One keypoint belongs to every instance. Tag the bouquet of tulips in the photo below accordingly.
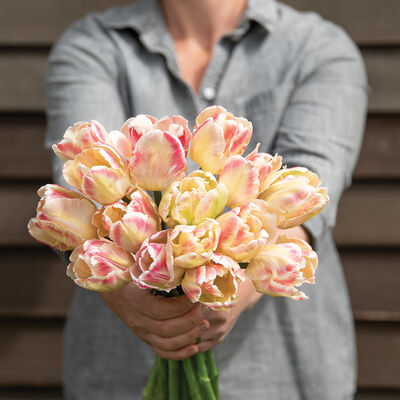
(199, 236)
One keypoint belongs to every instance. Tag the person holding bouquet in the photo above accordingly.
(302, 84)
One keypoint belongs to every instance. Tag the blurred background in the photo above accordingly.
(35, 293)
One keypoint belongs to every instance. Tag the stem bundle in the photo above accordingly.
(195, 378)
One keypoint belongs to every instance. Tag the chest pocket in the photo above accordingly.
(265, 110)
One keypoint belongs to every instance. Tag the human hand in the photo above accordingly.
(169, 325)
(222, 322)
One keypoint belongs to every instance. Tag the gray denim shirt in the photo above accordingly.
(301, 82)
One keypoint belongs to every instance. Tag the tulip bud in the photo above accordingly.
(79, 137)
(295, 196)
(194, 245)
(193, 199)
(218, 135)
(278, 269)
(154, 267)
(100, 265)
(100, 173)
(63, 218)
(128, 225)
(215, 284)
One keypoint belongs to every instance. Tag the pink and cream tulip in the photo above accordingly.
(247, 177)
(194, 245)
(158, 159)
(295, 196)
(267, 165)
(154, 267)
(242, 231)
(79, 137)
(134, 128)
(217, 135)
(177, 126)
(193, 199)
(100, 173)
(309, 255)
(128, 225)
(100, 265)
(278, 269)
(63, 219)
(215, 284)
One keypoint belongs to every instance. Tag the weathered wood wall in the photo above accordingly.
(32, 309)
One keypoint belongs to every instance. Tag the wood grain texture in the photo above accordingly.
(23, 154)
(379, 156)
(22, 151)
(18, 204)
(37, 285)
(22, 80)
(369, 22)
(31, 394)
(383, 66)
(377, 395)
(368, 214)
(22, 87)
(30, 354)
(378, 355)
(373, 279)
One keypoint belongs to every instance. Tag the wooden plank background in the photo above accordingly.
(33, 309)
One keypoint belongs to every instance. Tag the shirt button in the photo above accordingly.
(209, 93)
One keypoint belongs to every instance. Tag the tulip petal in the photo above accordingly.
(241, 178)
(158, 159)
(208, 146)
(105, 185)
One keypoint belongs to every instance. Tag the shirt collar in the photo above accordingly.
(144, 15)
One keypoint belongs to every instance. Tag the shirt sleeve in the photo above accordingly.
(82, 83)
(323, 124)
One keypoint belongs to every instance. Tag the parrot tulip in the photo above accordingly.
(100, 265)
(215, 284)
(100, 173)
(79, 137)
(154, 267)
(128, 225)
(279, 268)
(194, 245)
(218, 135)
(193, 199)
(295, 196)
(242, 232)
(63, 218)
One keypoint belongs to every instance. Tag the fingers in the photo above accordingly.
(180, 354)
(172, 344)
(175, 326)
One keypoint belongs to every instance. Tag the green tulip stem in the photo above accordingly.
(213, 371)
(148, 391)
(194, 387)
(204, 379)
(173, 379)
(184, 384)
(161, 390)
